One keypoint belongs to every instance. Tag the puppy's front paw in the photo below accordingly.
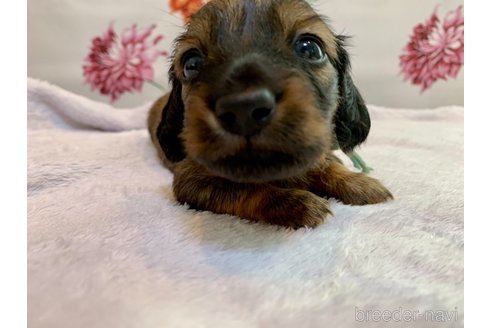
(295, 209)
(361, 189)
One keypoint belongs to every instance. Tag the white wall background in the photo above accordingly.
(60, 31)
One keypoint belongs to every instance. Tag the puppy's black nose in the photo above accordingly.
(246, 113)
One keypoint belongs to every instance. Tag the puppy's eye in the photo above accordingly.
(309, 48)
(192, 63)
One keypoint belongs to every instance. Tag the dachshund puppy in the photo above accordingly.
(261, 94)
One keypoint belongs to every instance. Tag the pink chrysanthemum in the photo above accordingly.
(118, 65)
(435, 51)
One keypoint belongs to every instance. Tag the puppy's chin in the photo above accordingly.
(260, 166)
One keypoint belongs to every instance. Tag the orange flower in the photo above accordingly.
(186, 7)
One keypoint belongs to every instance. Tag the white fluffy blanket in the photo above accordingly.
(108, 245)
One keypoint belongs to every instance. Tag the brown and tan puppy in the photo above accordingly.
(261, 93)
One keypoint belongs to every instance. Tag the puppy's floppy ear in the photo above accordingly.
(352, 121)
(171, 124)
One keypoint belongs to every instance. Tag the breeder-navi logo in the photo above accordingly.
(402, 315)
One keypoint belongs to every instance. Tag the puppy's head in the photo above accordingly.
(256, 84)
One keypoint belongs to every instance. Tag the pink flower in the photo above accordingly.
(435, 51)
(117, 65)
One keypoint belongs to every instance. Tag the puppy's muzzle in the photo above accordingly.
(246, 113)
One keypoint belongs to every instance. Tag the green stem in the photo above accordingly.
(156, 85)
(359, 162)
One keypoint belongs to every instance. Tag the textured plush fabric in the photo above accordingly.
(108, 245)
